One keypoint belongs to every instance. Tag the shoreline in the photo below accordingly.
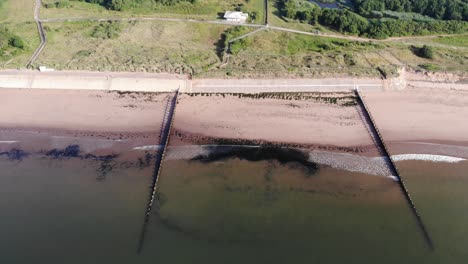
(321, 119)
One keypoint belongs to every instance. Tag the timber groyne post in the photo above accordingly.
(392, 166)
(166, 128)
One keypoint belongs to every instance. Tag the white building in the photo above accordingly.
(234, 16)
(45, 69)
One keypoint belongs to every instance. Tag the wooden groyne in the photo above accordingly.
(380, 143)
(166, 127)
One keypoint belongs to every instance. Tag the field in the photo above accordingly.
(196, 49)
(453, 41)
(17, 58)
(205, 10)
(16, 11)
(185, 48)
(279, 54)
(192, 48)
(17, 18)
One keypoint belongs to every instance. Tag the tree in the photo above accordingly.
(290, 9)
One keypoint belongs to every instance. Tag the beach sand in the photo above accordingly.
(314, 120)
(36, 119)
(429, 121)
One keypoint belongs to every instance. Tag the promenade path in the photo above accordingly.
(149, 82)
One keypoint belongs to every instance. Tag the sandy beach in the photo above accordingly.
(421, 120)
(308, 121)
(35, 119)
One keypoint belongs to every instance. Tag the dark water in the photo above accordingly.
(57, 209)
(247, 205)
(333, 4)
(440, 191)
(235, 210)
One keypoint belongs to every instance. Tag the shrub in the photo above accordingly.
(426, 52)
(429, 67)
(16, 42)
(107, 30)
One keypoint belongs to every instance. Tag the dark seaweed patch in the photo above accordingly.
(72, 151)
(146, 161)
(337, 98)
(15, 154)
(282, 155)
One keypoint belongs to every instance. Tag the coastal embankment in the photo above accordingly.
(147, 82)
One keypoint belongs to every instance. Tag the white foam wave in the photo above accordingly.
(344, 161)
(8, 142)
(148, 147)
(426, 157)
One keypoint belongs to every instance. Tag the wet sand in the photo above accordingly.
(326, 121)
(97, 120)
(421, 118)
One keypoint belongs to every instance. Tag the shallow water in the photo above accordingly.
(439, 191)
(248, 206)
(70, 210)
(239, 211)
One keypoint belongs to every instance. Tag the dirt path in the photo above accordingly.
(42, 35)
(218, 22)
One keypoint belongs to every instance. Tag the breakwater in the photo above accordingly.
(378, 140)
(165, 130)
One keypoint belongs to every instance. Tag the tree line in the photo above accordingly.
(347, 21)
(119, 5)
(438, 9)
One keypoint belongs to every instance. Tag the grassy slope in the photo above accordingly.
(190, 48)
(142, 46)
(16, 11)
(18, 17)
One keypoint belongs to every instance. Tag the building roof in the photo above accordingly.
(235, 15)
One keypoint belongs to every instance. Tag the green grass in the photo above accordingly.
(176, 47)
(281, 54)
(16, 11)
(17, 16)
(193, 48)
(456, 41)
(446, 58)
(15, 57)
(205, 10)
